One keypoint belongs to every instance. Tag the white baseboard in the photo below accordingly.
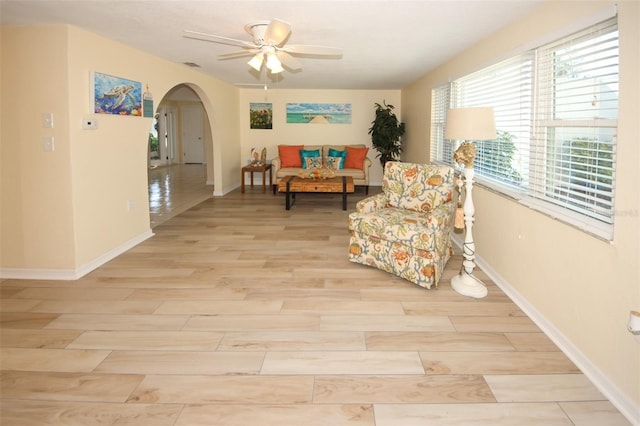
(73, 274)
(225, 191)
(38, 274)
(619, 399)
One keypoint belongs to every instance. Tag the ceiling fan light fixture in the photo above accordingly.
(256, 61)
(268, 45)
(276, 69)
(273, 63)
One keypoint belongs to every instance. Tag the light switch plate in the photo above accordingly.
(47, 120)
(47, 144)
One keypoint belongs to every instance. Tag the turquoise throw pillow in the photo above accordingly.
(340, 154)
(308, 153)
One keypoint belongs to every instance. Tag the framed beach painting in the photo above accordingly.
(116, 95)
(311, 113)
(261, 115)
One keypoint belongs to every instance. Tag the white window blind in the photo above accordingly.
(556, 110)
(441, 148)
(573, 149)
(508, 88)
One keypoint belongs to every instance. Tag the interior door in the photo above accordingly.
(193, 135)
(168, 126)
(162, 152)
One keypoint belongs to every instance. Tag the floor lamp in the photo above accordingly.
(469, 124)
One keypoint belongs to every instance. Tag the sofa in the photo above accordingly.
(406, 229)
(345, 160)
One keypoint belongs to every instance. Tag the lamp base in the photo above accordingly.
(468, 285)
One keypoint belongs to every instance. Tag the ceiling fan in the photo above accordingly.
(269, 42)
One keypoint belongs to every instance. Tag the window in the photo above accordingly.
(556, 110)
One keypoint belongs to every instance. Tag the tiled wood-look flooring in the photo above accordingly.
(176, 188)
(238, 312)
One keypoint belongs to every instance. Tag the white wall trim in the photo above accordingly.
(38, 274)
(619, 399)
(225, 191)
(73, 274)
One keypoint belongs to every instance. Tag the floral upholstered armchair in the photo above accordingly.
(406, 230)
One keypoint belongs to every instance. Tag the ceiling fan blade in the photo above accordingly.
(306, 49)
(261, 85)
(218, 39)
(289, 61)
(277, 32)
(240, 54)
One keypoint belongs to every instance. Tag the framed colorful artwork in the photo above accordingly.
(303, 113)
(261, 115)
(116, 95)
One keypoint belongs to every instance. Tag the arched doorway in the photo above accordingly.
(179, 150)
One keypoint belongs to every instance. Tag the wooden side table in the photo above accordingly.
(263, 168)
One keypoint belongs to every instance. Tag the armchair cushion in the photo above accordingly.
(415, 187)
(412, 228)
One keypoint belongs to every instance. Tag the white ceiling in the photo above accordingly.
(386, 44)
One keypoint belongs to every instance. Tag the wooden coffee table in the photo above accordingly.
(291, 185)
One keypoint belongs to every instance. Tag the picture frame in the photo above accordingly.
(116, 95)
(316, 113)
(261, 115)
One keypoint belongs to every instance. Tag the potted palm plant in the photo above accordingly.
(386, 132)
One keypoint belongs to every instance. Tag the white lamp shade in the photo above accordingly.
(273, 63)
(276, 68)
(477, 123)
(256, 61)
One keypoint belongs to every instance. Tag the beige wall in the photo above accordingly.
(363, 113)
(36, 186)
(578, 286)
(65, 212)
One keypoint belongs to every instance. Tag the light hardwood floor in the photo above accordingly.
(238, 312)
